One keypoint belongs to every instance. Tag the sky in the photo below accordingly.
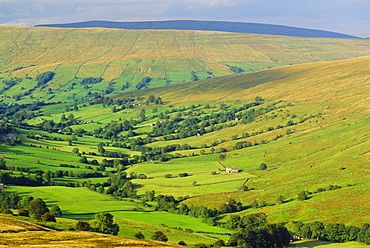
(343, 16)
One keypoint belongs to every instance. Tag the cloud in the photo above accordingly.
(336, 15)
(79, 8)
(211, 3)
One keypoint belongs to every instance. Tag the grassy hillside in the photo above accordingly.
(128, 60)
(308, 124)
(329, 149)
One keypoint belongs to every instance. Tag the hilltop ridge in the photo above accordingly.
(235, 27)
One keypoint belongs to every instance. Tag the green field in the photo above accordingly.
(87, 201)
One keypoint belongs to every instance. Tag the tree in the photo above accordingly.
(254, 204)
(160, 236)
(222, 156)
(317, 229)
(2, 164)
(56, 211)
(303, 195)
(279, 235)
(101, 149)
(23, 212)
(48, 217)
(364, 234)
(263, 166)
(182, 243)
(220, 242)
(139, 235)
(84, 160)
(82, 226)
(63, 118)
(280, 199)
(25, 201)
(37, 208)
(335, 232)
(258, 99)
(151, 98)
(104, 223)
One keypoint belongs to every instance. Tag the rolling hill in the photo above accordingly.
(236, 27)
(128, 60)
(287, 130)
(329, 149)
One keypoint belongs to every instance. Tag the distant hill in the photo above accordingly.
(128, 60)
(235, 27)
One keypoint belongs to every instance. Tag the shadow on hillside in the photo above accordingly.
(309, 244)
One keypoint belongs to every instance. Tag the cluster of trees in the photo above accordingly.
(267, 236)
(333, 232)
(179, 127)
(120, 185)
(29, 206)
(170, 204)
(103, 223)
(5, 128)
(15, 111)
(43, 78)
(29, 180)
(235, 69)
(254, 231)
(42, 178)
(10, 83)
(91, 80)
(112, 129)
(143, 83)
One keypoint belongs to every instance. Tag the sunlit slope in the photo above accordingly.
(339, 85)
(165, 56)
(331, 148)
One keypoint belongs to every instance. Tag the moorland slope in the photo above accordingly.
(127, 60)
